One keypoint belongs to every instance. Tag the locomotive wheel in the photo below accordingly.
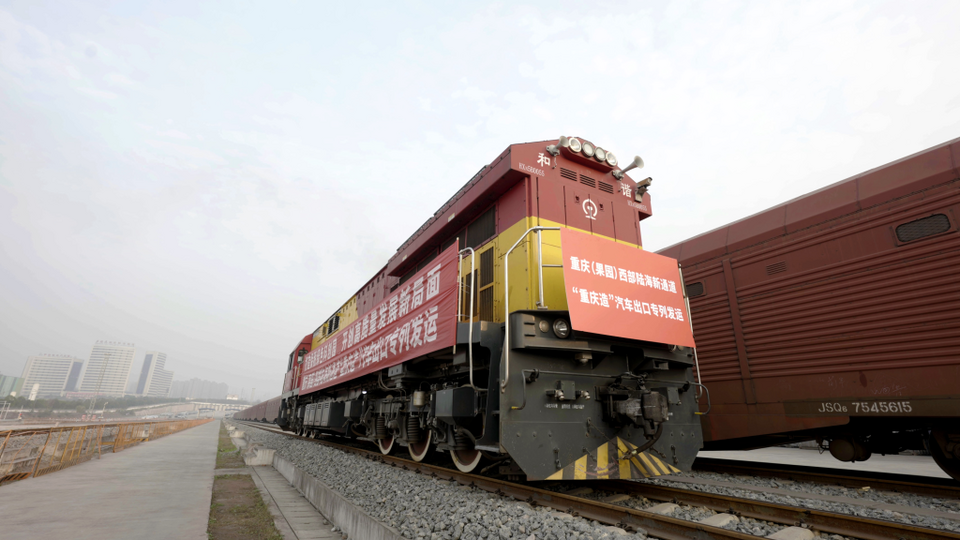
(386, 445)
(949, 466)
(466, 460)
(419, 450)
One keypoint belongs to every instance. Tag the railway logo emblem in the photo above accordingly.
(590, 209)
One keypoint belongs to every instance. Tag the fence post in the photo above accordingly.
(4, 446)
(119, 439)
(40, 456)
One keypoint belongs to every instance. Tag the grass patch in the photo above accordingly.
(228, 455)
(237, 511)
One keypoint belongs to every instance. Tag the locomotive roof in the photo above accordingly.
(924, 169)
(487, 184)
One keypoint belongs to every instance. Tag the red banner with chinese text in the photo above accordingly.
(418, 318)
(617, 290)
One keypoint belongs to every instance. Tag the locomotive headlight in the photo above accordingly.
(561, 328)
(575, 144)
(600, 155)
(589, 149)
(611, 159)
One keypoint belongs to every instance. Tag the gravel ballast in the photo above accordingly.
(420, 506)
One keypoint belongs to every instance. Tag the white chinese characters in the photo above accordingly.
(622, 274)
(370, 339)
(627, 304)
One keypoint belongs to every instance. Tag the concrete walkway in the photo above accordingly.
(158, 489)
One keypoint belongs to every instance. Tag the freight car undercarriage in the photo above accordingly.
(861, 438)
(578, 407)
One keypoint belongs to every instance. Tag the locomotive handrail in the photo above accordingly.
(473, 267)
(506, 294)
(696, 361)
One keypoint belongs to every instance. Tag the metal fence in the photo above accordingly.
(35, 452)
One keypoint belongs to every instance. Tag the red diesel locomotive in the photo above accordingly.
(522, 323)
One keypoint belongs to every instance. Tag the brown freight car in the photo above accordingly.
(836, 316)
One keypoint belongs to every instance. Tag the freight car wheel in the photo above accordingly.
(419, 450)
(949, 466)
(386, 445)
(465, 460)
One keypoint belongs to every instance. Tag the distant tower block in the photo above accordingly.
(154, 380)
(55, 373)
(107, 370)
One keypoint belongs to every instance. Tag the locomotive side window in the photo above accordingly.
(922, 228)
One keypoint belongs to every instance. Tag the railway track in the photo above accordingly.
(656, 525)
(899, 483)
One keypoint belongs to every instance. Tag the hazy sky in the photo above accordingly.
(214, 180)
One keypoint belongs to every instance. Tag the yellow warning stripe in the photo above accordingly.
(602, 460)
(580, 469)
(623, 464)
(613, 454)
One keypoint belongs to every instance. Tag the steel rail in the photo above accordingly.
(830, 522)
(931, 487)
(660, 526)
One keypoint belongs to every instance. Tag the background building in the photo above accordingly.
(73, 380)
(10, 384)
(108, 369)
(51, 371)
(199, 389)
(154, 380)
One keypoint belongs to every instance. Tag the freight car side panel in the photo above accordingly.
(837, 315)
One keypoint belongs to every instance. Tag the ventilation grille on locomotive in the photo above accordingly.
(486, 304)
(482, 228)
(922, 228)
(606, 187)
(587, 181)
(776, 268)
(486, 268)
(695, 289)
(568, 174)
